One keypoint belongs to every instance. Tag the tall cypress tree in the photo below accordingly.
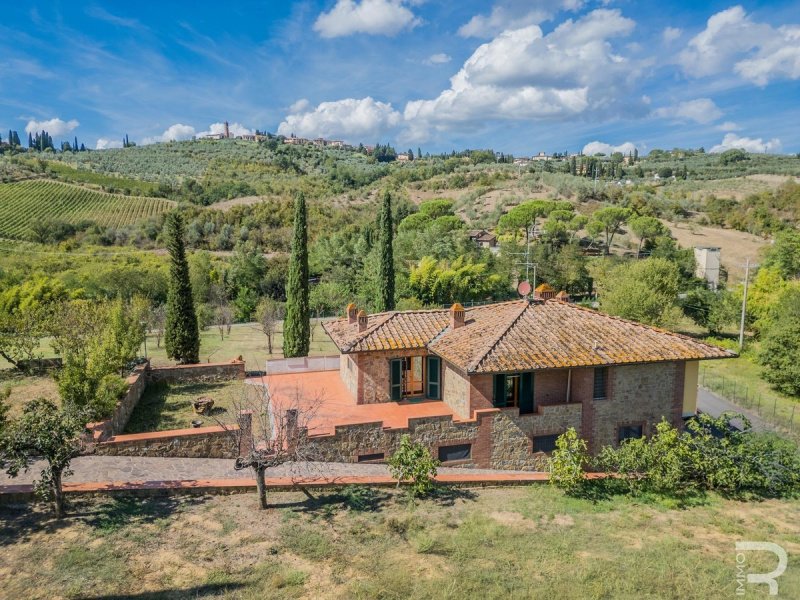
(296, 326)
(386, 274)
(181, 333)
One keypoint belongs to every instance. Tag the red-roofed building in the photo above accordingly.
(502, 381)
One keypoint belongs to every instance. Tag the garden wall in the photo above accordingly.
(143, 375)
(202, 442)
(204, 372)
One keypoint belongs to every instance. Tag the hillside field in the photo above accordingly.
(26, 202)
(364, 544)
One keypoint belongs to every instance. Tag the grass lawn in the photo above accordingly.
(25, 388)
(488, 543)
(246, 339)
(739, 379)
(168, 406)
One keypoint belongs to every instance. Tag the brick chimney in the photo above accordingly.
(352, 313)
(362, 321)
(563, 296)
(456, 316)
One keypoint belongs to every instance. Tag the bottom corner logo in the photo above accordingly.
(769, 578)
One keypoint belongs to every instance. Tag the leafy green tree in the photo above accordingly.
(386, 273)
(244, 304)
(780, 348)
(569, 462)
(181, 331)
(44, 431)
(784, 254)
(21, 332)
(413, 463)
(609, 220)
(647, 229)
(709, 309)
(524, 216)
(297, 325)
(644, 291)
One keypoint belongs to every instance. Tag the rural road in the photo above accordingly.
(711, 404)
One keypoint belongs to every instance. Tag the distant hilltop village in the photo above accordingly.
(259, 136)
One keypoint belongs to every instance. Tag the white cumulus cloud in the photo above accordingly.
(173, 133)
(701, 110)
(54, 127)
(373, 17)
(670, 34)
(105, 144)
(758, 52)
(514, 14)
(438, 59)
(593, 148)
(728, 126)
(352, 119)
(523, 74)
(755, 145)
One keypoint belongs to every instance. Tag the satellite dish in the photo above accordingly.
(524, 288)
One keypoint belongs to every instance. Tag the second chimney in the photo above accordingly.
(456, 316)
(362, 321)
(352, 313)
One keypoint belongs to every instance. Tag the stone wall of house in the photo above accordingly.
(203, 442)
(637, 395)
(348, 371)
(455, 390)
(203, 372)
(512, 434)
(374, 375)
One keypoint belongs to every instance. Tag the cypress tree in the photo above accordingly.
(181, 333)
(296, 326)
(386, 275)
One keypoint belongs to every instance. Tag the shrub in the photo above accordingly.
(413, 463)
(569, 461)
(110, 389)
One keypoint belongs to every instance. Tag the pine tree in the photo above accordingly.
(296, 326)
(181, 333)
(386, 274)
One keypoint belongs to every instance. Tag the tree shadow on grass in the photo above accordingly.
(600, 490)
(19, 521)
(209, 590)
(358, 498)
(118, 511)
(168, 406)
(446, 495)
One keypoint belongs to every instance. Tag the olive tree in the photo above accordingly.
(47, 432)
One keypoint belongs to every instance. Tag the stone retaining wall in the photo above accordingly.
(137, 382)
(204, 372)
(202, 442)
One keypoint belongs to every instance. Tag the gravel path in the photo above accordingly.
(136, 468)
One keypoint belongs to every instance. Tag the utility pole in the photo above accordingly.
(527, 261)
(744, 303)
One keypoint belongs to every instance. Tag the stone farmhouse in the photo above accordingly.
(492, 386)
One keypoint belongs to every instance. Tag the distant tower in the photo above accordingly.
(227, 131)
(707, 265)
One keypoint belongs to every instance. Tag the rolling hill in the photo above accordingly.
(24, 203)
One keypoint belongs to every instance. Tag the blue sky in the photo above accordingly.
(517, 76)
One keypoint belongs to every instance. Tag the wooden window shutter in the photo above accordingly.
(396, 379)
(499, 399)
(526, 393)
(434, 377)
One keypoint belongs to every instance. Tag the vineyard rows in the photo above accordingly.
(26, 202)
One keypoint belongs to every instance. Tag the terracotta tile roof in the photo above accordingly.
(522, 335)
(395, 330)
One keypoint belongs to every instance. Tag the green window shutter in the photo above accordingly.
(526, 393)
(499, 399)
(397, 379)
(434, 376)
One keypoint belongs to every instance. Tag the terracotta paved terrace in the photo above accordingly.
(324, 397)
